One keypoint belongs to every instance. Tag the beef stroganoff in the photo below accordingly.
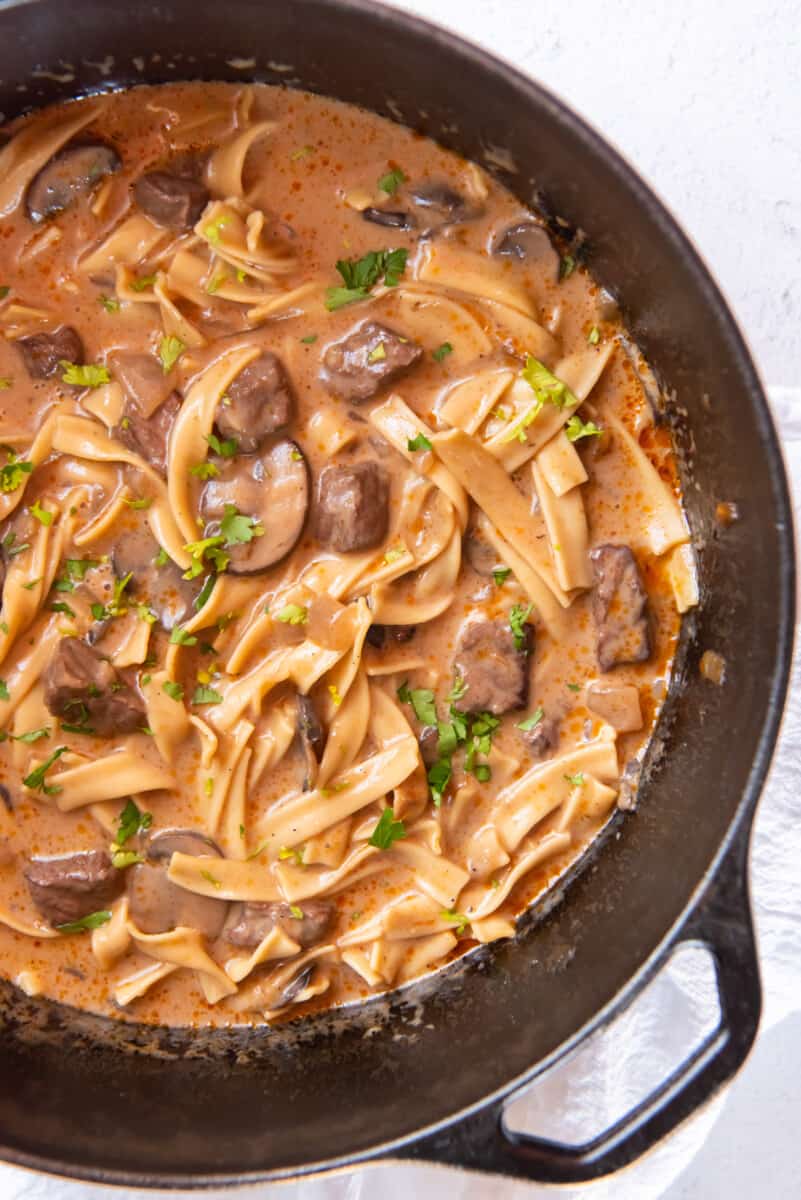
(343, 559)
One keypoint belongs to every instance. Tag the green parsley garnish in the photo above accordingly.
(573, 687)
(458, 690)
(212, 231)
(207, 875)
(532, 721)
(110, 303)
(439, 775)
(594, 336)
(140, 505)
(91, 921)
(309, 340)
(501, 575)
(422, 701)
(518, 616)
(206, 695)
(11, 475)
(419, 442)
(204, 593)
(179, 637)
(61, 606)
(4, 693)
(36, 780)
(41, 514)
(576, 428)
(293, 614)
(297, 913)
(5, 382)
(90, 375)
(174, 690)
(286, 853)
(575, 780)
(28, 587)
(567, 266)
(387, 831)
(226, 449)
(132, 821)
(33, 735)
(170, 350)
(378, 353)
(390, 182)
(360, 275)
(162, 558)
(442, 351)
(459, 919)
(142, 283)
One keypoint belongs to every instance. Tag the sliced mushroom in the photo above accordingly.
(481, 555)
(311, 736)
(441, 201)
(162, 588)
(172, 201)
(273, 489)
(252, 921)
(529, 243)
(619, 704)
(142, 378)
(70, 174)
(156, 904)
(149, 436)
(388, 218)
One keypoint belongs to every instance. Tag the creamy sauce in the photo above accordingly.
(311, 171)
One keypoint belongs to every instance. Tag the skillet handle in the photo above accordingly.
(722, 923)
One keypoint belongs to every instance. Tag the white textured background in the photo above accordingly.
(705, 99)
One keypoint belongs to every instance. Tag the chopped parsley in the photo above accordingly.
(309, 340)
(442, 352)
(179, 637)
(533, 721)
(5, 382)
(439, 775)
(110, 303)
(387, 831)
(458, 690)
(141, 504)
(170, 350)
(142, 283)
(545, 386)
(36, 780)
(125, 858)
(390, 182)
(575, 780)
(594, 336)
(576, 428)
(33, 735)
(361, 274)
(297, 913)
(293, 614)
(91, 921)
(42, 515)
(518, 616)
(12, 474)
(286, 853)
(88, 375)
(378, 353)
(206, 695)
(10, 546)
(174, 690)
(204, 593)
(501, 575)
(567, 266)
(162, 558)
(420, 442)
(207, 875)
(573, 687)
(211, 232)
(103, 612)
(459, 919)
(226, 449)
(132, 821)
(421, 700)
(4, 692)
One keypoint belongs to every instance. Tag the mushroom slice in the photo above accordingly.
(311, 737)
(163, 587)
(156, 904)
(70, 174)
(529, 243)
(271, 487)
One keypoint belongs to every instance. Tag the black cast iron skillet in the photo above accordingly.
(426, 1076)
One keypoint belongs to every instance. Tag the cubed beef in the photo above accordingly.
(369, 358)
(260, 401)
(353, 506)
(619, 608)
(542, 739)
(254, 921)
(149, 436)
(82, 688)
(43, 353)
(384, 635)
(69, 887)
(172, 201)
(494, 671)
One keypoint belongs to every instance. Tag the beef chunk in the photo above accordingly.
(353, 506)
(70, 887)
(370, 357)
(260, 401)
(70, 174)
(494, 670)
(42, 353)
(82, 687)
(529, 242)
(619, 608)
(149, 436)
(543, 738)
(380, 635)
(255, 920)
(172, 201)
